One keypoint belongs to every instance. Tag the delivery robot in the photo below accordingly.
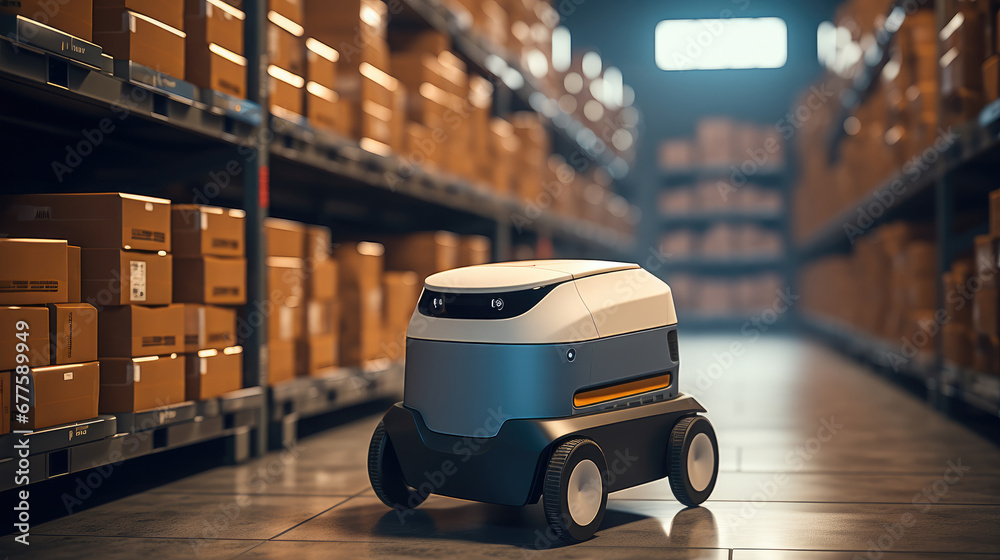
(551, 379)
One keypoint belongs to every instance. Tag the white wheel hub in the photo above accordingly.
(700, 462)
(585, 492)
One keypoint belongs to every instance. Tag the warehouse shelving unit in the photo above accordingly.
(163, 137)
(944, 187)
(772, 177)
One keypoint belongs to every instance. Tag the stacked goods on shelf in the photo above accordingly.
(146, 32)
(886, 288)
(286, 54)
(709, 196)
(322, 107)
(356, 29)
(719, 142)
(75, 18)
(317, 348)
(214, 47)
(722, 241)
(741, 296)
(209, 283)
(126, 273)
(50, 331)
(963, 48)
(960, 340)
(425, 253)
(400, 291)
(361, 265)
(285, 251)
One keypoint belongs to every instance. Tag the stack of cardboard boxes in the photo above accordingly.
(75, 18)
(723, 142)
(147, 32)
(209, 283)
(319, 347)
(361, 265)
(50, 331)
(214, 50)
(286, 241)
(286, 57)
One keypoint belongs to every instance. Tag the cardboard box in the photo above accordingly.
(36, 271)
(321, 63)
(285, 323)
(360, 293)
(213, 373)
(321, 280)
(425, 253)
(25, 331)
(5, 393)
(281, 361)
(74, 16)
(284, 238)
(208, 326)
(473, 250)
(324, 110)
(73, 331)
(293, 10)
(991, 79)
(321, 317)
(211, 280)
(994, 214)
(216, 68)
(957, 345)
(986, 260)
(60, 395)
(170, 12)
(286, 49)
(331, 18)
(116, 277)
(285, 280)
(199, 231)
(401, 291)
(92, 221)
(428, 41)
(73, 256)
(318, 242)
(316, 355)
(136, 330)
(984, 312)
(214, 22)
(128, 35)
(137, 384)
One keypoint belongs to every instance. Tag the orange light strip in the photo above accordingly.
(619, 390)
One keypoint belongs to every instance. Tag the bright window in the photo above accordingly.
(720, 44)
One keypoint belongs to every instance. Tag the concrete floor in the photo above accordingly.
(820, 459)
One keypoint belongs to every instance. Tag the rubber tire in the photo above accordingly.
(556, 486)
(386, 475)
(681, 437)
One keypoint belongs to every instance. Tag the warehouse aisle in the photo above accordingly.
(817, 455)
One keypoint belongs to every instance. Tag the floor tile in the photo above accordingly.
(192, 516)
(125, 548)
(854, 555)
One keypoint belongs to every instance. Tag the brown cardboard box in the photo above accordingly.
(984, 312)
(321, 63)
(991, 79)
(198, 231)
(137, 384)
(419, 40)
(170, 12)
(285, 280)
(286, 49)
(211, 280)
(346, 15)
(116, 277)
(131, 36)
(318, 243)
(285, 238)
(321, 317)
(360, 293)
(73, 331)
(214, 22)
(321, 281)
(216, 68)
(994, 214)
(73, 268)
(35, 271)
(987, 354)
(323, 109)
(401, 290)
(957, 343)
(208, 326)
(281, 361)
(474, 249)
(91, 220)
(285, 323)
(137, 330)
(60, 395)
(986, 260)
(213, 373)
(5, 393)
(73, 16)
(316, 355)
(425, 253)
(24, 331)
(291, 9)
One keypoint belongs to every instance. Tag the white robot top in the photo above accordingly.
(541, 302)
